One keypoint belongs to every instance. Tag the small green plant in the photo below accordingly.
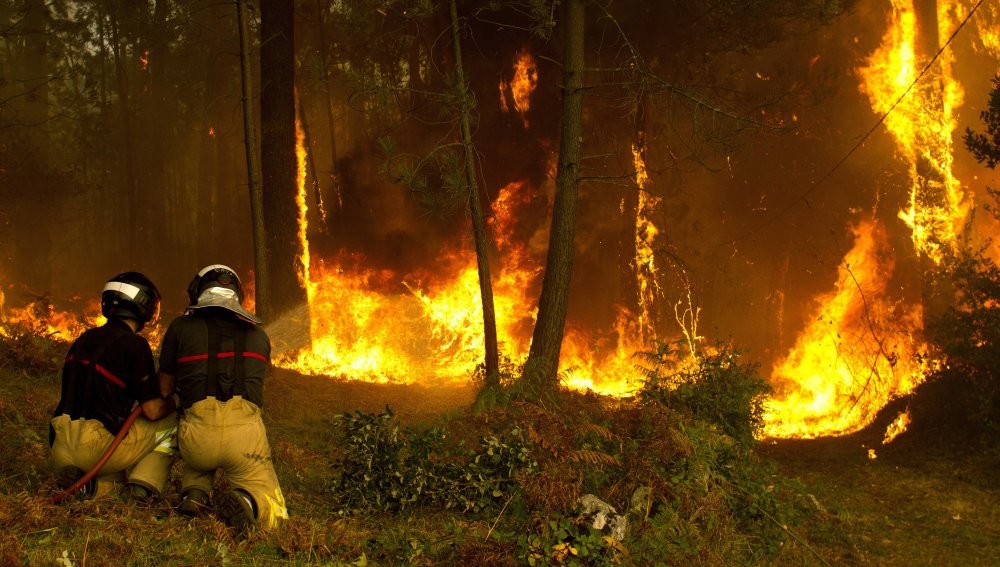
(567, 541)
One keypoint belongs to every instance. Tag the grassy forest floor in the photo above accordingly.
(907, 507)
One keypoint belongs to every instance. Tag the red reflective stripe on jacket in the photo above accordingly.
(230, 354)
(109, 375)
(104, 371)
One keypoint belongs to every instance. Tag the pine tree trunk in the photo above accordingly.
(278, 161)
(153, 112)
(324, 59)
(262, 280)
(540, 370)
(131, 188)
(32, 246)
(492, 357)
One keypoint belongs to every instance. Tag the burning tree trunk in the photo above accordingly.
(540, 370)
(304, 123)
(262, 280)
(278, 162)
(475, 209)
(930, 191)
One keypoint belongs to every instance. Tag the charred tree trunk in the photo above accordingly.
(262, 279)
(278, 162)
(540, 369)
(492, 357)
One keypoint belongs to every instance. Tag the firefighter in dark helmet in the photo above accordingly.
(107, 371)
(215, 358)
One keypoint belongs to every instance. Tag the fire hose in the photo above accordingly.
(104, 458)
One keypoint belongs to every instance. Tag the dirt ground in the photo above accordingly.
(911, 505)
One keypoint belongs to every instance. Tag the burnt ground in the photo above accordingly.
(919, 502)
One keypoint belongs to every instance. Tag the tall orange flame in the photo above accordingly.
(524, 82)
(841, 371)
(646, 269)
(855, 356)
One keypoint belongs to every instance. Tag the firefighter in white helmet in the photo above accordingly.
(215, 358)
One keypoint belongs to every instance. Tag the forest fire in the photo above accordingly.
(387, 327)
(43, 319)
(424, 325)
(859, 351)
(922, 124)
(856, 355)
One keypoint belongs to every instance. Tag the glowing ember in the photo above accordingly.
(898, 426)
(856, 355)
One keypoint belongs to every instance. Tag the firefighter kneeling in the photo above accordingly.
(216, 357)
(107, 371)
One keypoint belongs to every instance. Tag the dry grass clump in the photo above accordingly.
(319, 540)
(486, 554)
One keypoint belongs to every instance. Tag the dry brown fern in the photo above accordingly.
(554, 489)
(594, 458)
(600, 431)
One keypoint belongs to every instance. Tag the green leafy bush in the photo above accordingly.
(719, 389)
(391, 469)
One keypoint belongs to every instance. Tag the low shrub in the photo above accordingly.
(29, 348)
(391, 469)
(718, 388)
(964, 390)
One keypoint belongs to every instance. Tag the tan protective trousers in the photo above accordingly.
(143, 457)
(230, 435)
